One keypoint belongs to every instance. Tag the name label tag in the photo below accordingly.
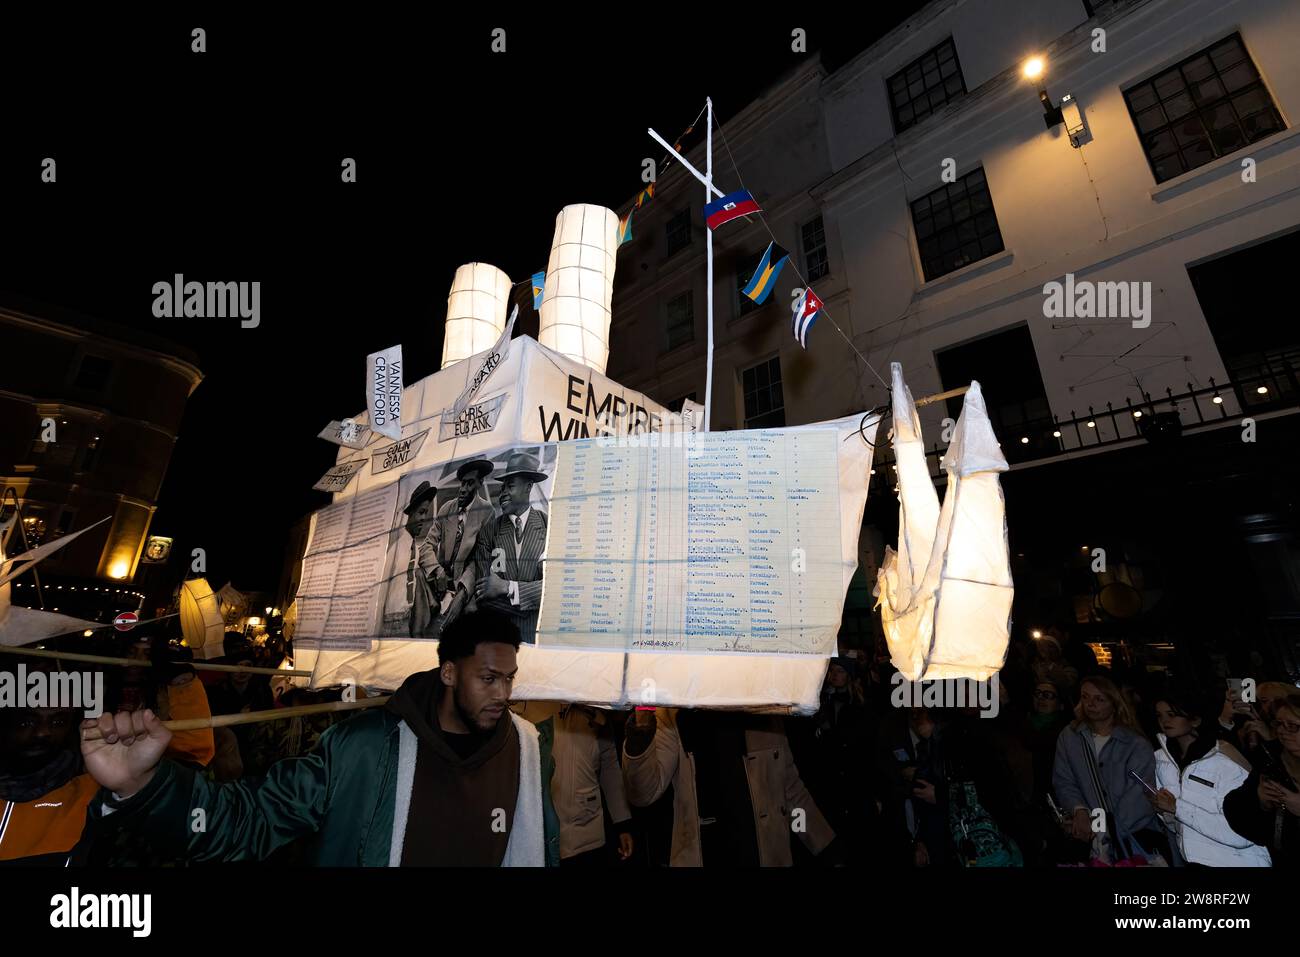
(1193, 777)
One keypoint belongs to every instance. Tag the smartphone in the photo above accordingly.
(1141, 782)
(1060, 815)
(1234, 693)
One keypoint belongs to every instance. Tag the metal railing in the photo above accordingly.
(1266, 384)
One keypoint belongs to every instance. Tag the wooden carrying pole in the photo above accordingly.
(254, 717)
(939, 397)
(145, 663)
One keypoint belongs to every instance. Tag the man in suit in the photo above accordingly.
(453, 535)
(419, 594)
(507, 558)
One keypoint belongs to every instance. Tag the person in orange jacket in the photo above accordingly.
(166, 684)
(44, 788)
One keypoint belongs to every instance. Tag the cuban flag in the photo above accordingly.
(729, 207)
(806, 309)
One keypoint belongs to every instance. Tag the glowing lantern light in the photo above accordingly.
(580, 285)
(476, 311)
(202, 626)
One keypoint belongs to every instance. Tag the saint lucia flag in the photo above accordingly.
(806, 309)
(539, 280)
(769, 267)
(625, 227)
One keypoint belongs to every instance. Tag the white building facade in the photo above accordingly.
(947, 225)
(921, 193)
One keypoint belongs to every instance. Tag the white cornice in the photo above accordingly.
(50, 327)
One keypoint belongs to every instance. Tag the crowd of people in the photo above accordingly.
(1076, 765)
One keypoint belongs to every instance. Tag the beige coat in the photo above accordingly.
(775, 791)
(586, 763)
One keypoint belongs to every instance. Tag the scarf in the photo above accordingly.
(19, 788)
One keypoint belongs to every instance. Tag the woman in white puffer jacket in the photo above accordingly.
(1194, 773)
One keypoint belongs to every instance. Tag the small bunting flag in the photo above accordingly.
(539, 281)
(764, 280)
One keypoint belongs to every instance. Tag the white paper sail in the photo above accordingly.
(905, 606)
(945, 595)
(11, 568)
(22, 626)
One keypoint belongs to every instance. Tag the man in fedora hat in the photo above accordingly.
(507, 558)
(453, 534)
(419, 570)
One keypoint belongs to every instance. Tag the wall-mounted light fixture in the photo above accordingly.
(1034, 69)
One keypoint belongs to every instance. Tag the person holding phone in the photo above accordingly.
(1266, 807)
(1195, 771)
(1094, 755)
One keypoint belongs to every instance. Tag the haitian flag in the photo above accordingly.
(724, 210)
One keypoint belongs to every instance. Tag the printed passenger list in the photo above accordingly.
(716, 542)
(342, 569)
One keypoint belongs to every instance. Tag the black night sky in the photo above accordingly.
(225, 166)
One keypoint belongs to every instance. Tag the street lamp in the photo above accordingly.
(1033, 70)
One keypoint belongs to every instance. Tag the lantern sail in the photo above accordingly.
(19, 625)
(906, 610)
(945, 595)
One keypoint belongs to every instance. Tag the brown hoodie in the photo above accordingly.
(461, 808)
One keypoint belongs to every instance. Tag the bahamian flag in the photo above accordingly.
(539, 281)
(625, 227)
(769, 267)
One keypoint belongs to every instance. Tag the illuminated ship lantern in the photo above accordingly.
(580, 285)
(202, 625)
(476, 311)
(945, 594)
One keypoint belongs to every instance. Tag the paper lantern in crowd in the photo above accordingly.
(575, 312)
(945, 595)
(202, 627)
(476, 311)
